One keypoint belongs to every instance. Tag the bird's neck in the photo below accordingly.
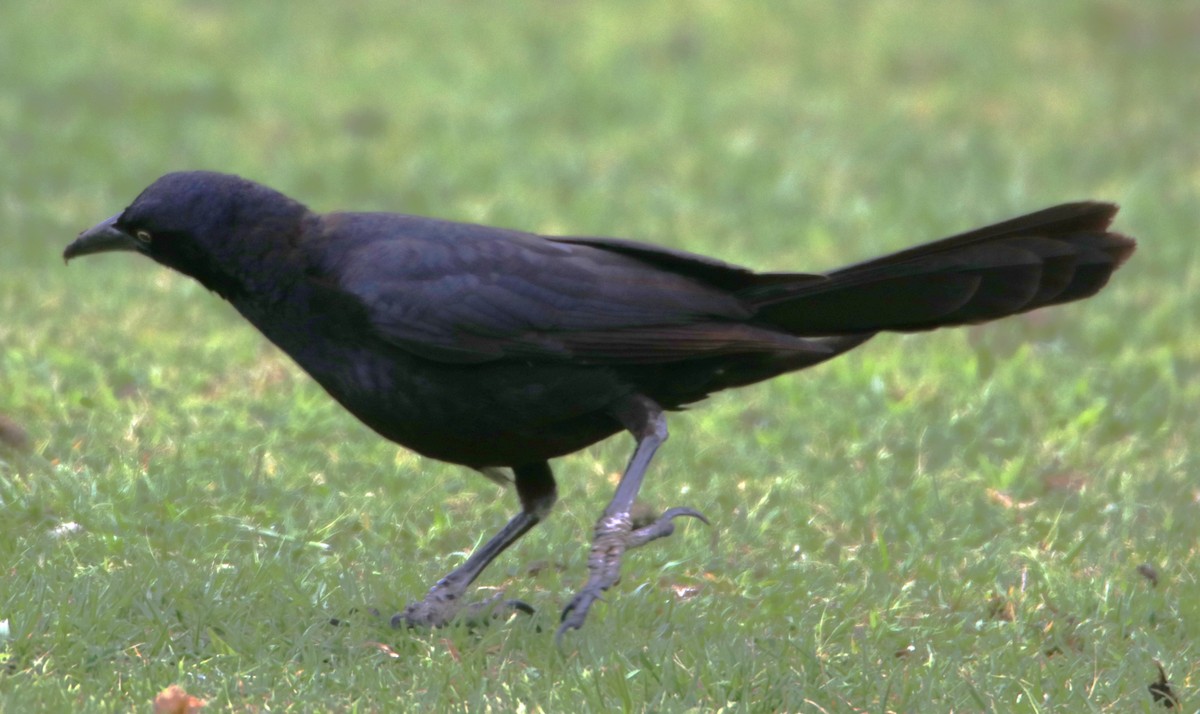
(261, 263)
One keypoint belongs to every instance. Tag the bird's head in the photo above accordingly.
(214, 227)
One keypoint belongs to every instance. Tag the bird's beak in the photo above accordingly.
(101, 238)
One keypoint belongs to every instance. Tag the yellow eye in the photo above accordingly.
(143, 237)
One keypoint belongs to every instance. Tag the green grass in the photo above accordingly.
(863, 557)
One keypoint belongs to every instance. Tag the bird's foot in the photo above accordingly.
(614, 535)
(443, 604)
(662, 527)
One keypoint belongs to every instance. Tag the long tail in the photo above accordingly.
(1045, 258)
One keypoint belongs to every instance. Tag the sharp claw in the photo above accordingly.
(563, 629)
(581, 603)
(484, 612)
(521, 606)
(572, 619)
(662, 526)
(492, 607)
(672, 513)
(575, 614)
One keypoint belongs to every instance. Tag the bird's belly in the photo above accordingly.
(493, 414)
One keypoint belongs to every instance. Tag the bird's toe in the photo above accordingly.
(576, 611)
(424, 614)
(662, 527)
(435, 612)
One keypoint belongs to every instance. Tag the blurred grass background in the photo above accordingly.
(942, 522)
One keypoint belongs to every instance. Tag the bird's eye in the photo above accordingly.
(143, 237)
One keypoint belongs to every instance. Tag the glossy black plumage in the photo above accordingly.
(496, 348)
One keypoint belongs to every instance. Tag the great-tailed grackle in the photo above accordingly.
(494, 348)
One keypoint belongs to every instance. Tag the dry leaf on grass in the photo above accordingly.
(384, 649)
(1003, 499)
(174, 700)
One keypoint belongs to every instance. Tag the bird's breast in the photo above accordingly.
(497, 413)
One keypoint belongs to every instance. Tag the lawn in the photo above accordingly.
(1002, 518)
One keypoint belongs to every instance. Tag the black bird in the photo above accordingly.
(494, 348)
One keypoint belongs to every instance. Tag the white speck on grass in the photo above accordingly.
(62, 530)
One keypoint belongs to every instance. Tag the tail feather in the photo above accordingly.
(1045, 258)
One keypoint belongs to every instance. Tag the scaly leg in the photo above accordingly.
(536, 489)
(614, 532)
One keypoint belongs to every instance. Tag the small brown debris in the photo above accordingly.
(537, 567)
(174, 700)
(451, 649)
(385, 649)
(128, 390)
(1161, 691)
(1001, 608)
(1148, 572)
(1001, 498)
(1065, 481)
(12, 434)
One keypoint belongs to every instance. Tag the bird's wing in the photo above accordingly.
(710, 271)
(462, 293)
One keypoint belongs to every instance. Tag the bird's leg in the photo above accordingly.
(614, 532)
(535, 487)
